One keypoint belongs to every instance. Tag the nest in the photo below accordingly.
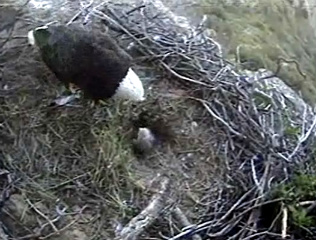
(250, 118)
(250, 114)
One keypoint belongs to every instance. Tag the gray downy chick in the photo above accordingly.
(146, 140)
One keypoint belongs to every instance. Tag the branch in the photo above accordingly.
(3, 236)
(183, 220)
(284, 222)
(139, 223)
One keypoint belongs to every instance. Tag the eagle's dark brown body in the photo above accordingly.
(91, 61)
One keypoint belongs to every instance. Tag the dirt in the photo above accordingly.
(81, 157)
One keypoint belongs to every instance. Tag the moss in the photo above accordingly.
(301, 188)
(300, 217)
(304, 186)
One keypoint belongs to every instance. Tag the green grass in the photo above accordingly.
(84, 156)
(256, 36)
(302, 188)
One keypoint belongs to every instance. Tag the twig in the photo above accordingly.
(139, 223)
(60, 230)
(80, 12)
(239, 126)
(135, 9)
(279, 67)
(284, 222)
(303, 138)
(3, 236)
(184, 221)
(183, 77)
(7, 39)
(254, 175)
(304, 203)
(42, 215)
(311, 207)
(218, 118)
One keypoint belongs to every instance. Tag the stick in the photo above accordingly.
(42, 215)
(284, 222)
(3, 236)
(183, 220)
(139, 223)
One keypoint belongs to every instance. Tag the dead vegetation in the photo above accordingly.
(69, 172)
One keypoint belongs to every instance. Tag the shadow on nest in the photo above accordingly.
(152, 133)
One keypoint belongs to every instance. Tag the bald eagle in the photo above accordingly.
(88, 61)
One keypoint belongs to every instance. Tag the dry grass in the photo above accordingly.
(82, 157)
